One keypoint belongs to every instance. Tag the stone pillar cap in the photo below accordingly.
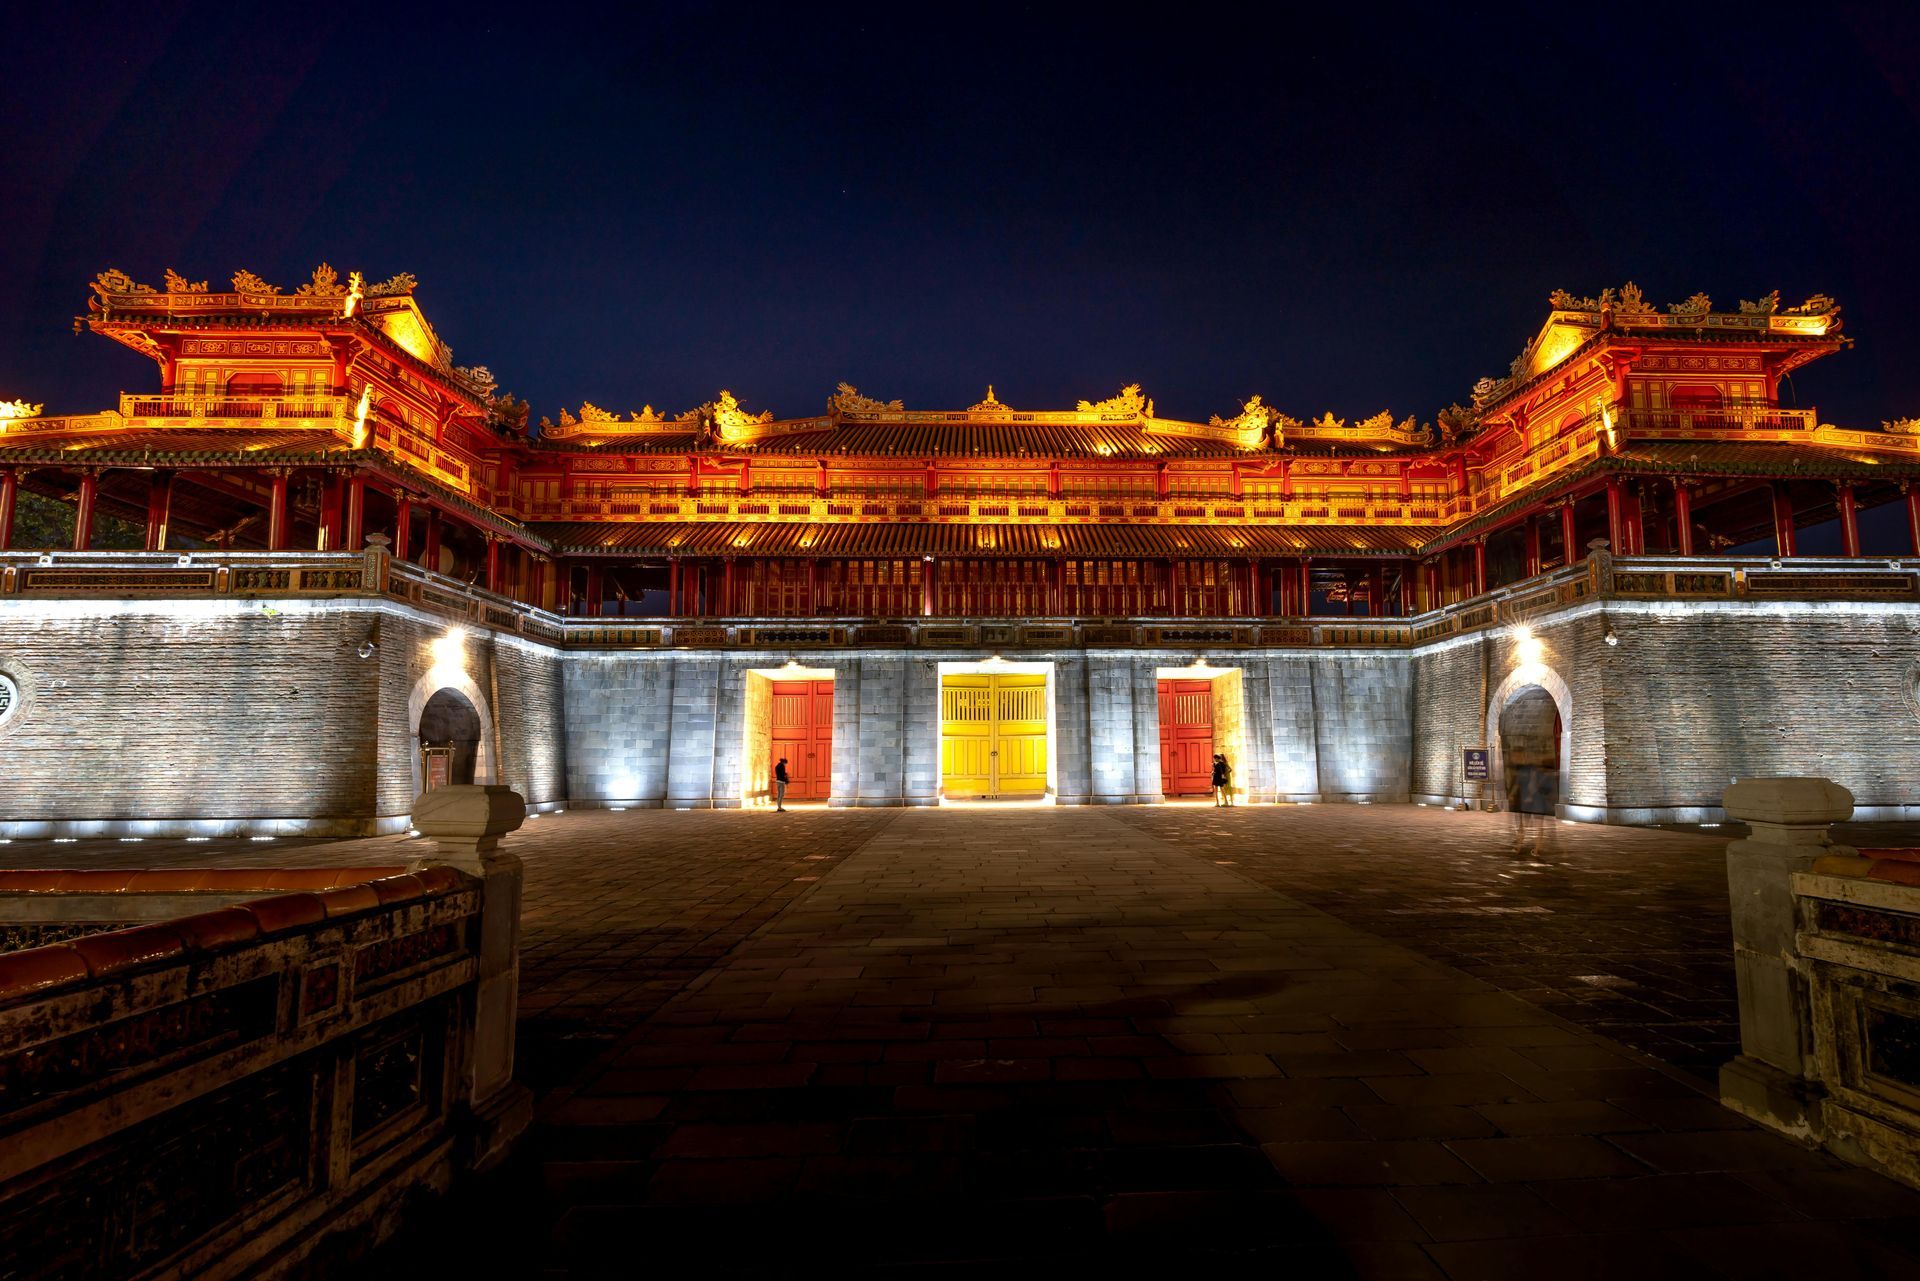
(468, 810)
(1788, 801)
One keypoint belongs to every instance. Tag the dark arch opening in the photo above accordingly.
(1530, 751)
(449, 720)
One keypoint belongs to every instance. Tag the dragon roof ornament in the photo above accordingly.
(1129, 403)
(325, 284)
(847, 399)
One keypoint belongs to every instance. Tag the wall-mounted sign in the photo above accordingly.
(1476, 761)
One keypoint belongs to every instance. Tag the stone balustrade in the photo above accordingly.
(215, 1093)
(375, 573)
(1827, 954)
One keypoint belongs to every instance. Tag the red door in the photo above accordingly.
(803, 733)
(1186, 737)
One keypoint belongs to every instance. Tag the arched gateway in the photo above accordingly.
(447, 710)
(1529, 733)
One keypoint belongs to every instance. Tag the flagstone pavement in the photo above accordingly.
(943, 1041)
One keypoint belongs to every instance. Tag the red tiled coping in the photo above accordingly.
(309, 896)
(189, 880)
(1900, 866)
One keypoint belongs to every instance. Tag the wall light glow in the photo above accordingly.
(1527, 649)
(450, 650)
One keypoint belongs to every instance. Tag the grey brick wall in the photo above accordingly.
(1110, 729)
(692, 730)
(1073, 764)
(921, 725)
(1363, 728)
(1293, 724)
(881, 779)
(618, 725)
(1691, 700)
(239, 713)
(1146, 734)
(184, 712)
(1449, 715)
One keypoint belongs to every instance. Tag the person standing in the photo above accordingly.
(1222, 781)
(780, 781)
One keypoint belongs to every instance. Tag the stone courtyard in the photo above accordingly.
(1361, 1041)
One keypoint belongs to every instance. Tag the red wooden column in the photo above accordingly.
(277, 510)
(330, 504)
(355, 535)
(159, 509)
(594, 601)
(1633, 533)
(1257, 600)
(1479, 566)
(1849, 521)
(1682, 518)
(9, 496)
(929, 596)
(1568, 534)
(402, 525)
(1377, 592)
(1430, 574)
(1616, 525)
(1060, 587)
(1533, 546)
(1782, 519)
(813, 586)
(430, 554)
(726, 588)
(673, 587)
(537, 580)
(83, 503)
(1305, 588)
(1913, 514)
(493, 564)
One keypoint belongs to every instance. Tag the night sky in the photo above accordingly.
(1343, 209)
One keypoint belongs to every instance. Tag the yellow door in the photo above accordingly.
(1020, 735)
(993, 735)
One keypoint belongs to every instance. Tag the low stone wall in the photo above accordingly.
(1859, 939)
(217, 1094)
(1827, 951)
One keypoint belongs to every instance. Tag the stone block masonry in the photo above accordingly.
(200, 717)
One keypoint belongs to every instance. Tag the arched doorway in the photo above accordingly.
(450, 737)
(1530, 751)
(1530, 720)
(454, 697)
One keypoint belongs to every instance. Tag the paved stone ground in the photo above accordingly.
(991, 1038)
(619, 911)
(1622, 930)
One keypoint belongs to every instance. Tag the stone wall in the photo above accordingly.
(1695, 698)
(227, 715)
(220, 714)
(223, 717)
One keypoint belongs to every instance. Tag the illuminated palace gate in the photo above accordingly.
(322, 418)
(1186, 737)
(993, 736)
(802, 734)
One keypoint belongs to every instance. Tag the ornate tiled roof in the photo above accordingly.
(745, 538)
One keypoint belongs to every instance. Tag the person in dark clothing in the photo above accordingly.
(1222, 780)
(780, 781)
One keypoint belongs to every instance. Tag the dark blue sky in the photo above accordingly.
(1342, 208)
